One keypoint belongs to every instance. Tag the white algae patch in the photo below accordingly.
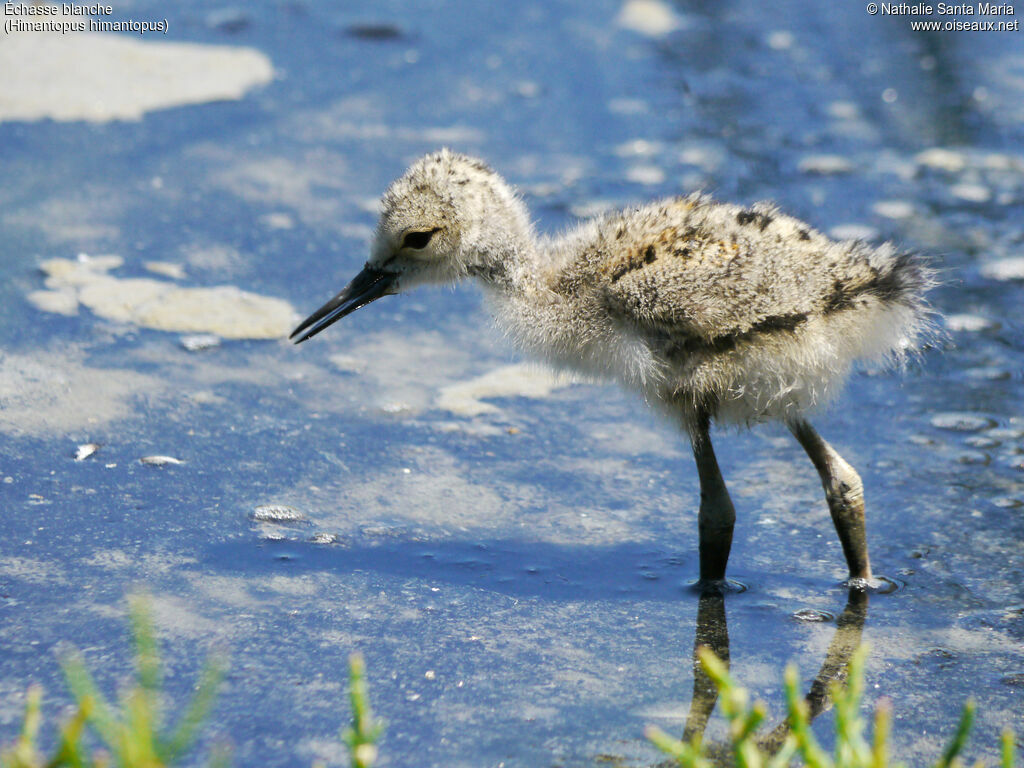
(199, 341)
(825, 165)
(347, 363)
(943, 159)
(32, 570)
(780, 40)
(970, 323)
(85, 451)
(1004, 269)
(853, 232)
(522, 380)
(323, 537)
(226, 311)
(639, 148)
(972, 193)
(101, 77)
(843, 110)
(962, 422)
(649, 17)
(399, 372)
(47, 393)
(74, 216)
(166, 269)
(57, 302)
(160, 461)
(893, 209)
(645, 174)
(316, 185)
(437, 492)
(277, 513)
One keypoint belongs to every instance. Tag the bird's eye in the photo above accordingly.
(418, 240)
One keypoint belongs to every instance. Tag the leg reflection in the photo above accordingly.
(713, 632)
(848, 637)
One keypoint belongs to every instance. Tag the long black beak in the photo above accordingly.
(367, 286)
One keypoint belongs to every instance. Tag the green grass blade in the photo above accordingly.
(807, 746)
(744, 719)
(88, 697)
(139, 740)
(24, 753)
(959, 740)
(852, 751)
(198, 710)
(747, 722)
(784, 755)
(1009, 752)
(33, 716)
(221, 757)
(883, 729)
(147, 651)
(362, 735)
(688, 755)
(715, 668)
(70, 751)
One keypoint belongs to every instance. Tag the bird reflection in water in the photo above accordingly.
(713, 633)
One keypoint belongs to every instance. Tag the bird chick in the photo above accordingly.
(711, 311)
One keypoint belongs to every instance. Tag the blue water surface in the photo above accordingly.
(517, 580)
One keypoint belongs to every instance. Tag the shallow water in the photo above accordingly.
(516, 576)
